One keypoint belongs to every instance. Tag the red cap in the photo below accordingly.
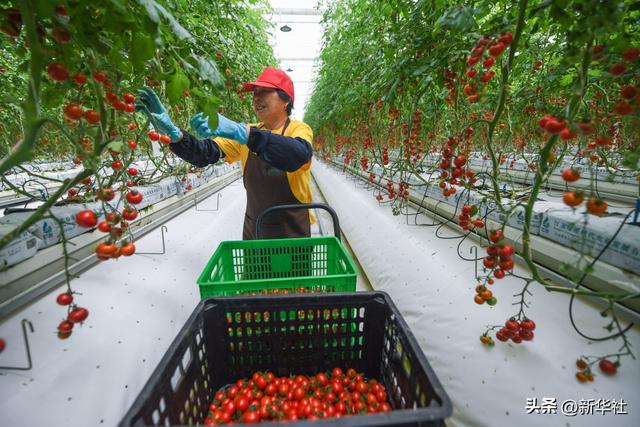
(273, 78)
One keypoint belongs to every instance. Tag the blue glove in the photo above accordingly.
(149, 104)
(226, 128)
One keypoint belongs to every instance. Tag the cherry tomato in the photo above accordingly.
(57, 72)
(64, 298)
(596, 206)
(78, 315)
(86, 218)
(134, 197)
(92, 117)
(608, 367)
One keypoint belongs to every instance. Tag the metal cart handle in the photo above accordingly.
(334, 216)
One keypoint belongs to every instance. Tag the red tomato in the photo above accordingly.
(105, 249)
(573, 198)
(570, 175)
(596, 206)
(86, 218)
(116, 165)
(78, 315)
(381, 395)
(271, 389)
(362, 387)
(79, 79)
(495, 236)
(72, 111)
(608, 367)
(65, 326)
(242, 403)
(298, 393)
(134, 197)
(92, 117)
(283, 389)
(528, 324)
(261, 382)
(57, 72)
(129, 213)
(128, 249)
(64, 298)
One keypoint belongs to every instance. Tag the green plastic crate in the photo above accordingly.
(278, 266)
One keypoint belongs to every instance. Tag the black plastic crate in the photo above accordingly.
(229, 338)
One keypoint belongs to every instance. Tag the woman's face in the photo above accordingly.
(268, 105)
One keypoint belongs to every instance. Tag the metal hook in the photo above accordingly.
(162, 230)
(195, 199)
(474, 251)
(26, 344)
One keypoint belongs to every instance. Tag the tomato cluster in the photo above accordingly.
(574, 198)
(499, 255)
(454, 170)
(156, 136)
(465, 219)
(115, 224)
(265, 397)
(75, 314)
(585, 374)
(516, 331)
(493, 49)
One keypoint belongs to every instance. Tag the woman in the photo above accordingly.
(275, 153)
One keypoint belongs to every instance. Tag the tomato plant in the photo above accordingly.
(451, 101)
(70, 72)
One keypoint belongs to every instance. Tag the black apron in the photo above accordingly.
(267, 186)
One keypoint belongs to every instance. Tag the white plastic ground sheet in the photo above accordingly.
(136, 307)
(434, 289)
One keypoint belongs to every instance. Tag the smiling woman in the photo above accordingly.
(275, 153)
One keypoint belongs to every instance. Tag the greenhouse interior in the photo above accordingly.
(320, 212)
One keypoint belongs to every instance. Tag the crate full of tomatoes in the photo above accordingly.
(265, 397)
(343, 359)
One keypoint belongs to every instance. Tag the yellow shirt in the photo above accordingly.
(299, 180)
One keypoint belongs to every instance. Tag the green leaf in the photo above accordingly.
(197, 92)
(142, 49)
(209, 71)
(52, 96)
(116, 59)
(566, 80)
(178, 83)
(44, 8)
(155, 10)
(210, 108)
(116, 146)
